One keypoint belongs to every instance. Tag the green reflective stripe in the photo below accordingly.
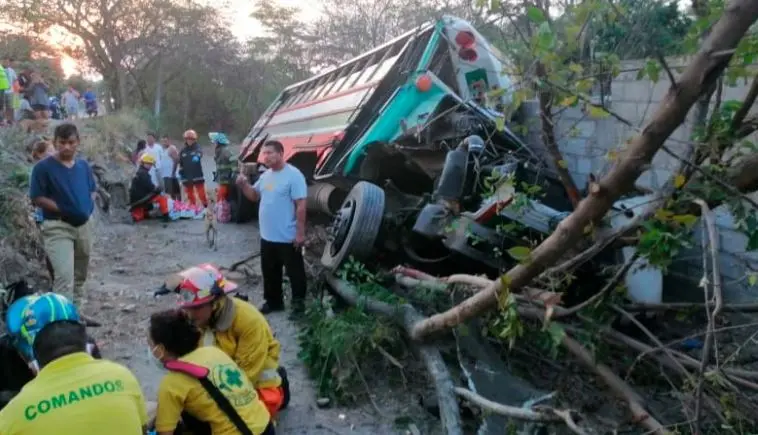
(4, 79)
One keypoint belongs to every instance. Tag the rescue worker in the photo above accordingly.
(73, 393)
(5, 85)
(236, 327)
(197, 375)
(224, 165)
(143, 194)
(191, 169)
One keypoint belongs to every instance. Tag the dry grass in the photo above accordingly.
(105, 140)
(20, 243)
(111, 138)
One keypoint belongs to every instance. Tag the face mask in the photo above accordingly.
(151, 357)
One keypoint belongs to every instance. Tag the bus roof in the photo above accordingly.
(418, 29)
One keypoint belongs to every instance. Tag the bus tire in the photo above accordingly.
(242, 210)
(355, 226)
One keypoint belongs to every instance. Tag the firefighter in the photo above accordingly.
(143, 194)
(236, 327)
(224, 165)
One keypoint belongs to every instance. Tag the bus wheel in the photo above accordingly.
(355, 226)
(241, 209)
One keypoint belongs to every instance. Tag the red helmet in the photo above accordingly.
(202, 284)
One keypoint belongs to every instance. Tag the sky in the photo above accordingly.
(237, 12)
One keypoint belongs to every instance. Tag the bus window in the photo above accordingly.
(384, 68)
(368, 72)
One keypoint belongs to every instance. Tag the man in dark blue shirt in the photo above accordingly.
(63, 186)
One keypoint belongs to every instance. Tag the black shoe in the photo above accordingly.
(267, 308)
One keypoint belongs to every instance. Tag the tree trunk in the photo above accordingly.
(706, 67)
(548, 137)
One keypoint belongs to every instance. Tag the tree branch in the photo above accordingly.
(542, 414)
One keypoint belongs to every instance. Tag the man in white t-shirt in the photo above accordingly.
(156, 151)
(169, 160)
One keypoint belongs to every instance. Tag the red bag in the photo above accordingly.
(223, 212)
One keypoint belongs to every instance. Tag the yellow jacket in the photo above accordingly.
(241, 331)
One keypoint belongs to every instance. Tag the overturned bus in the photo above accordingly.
(404, 146)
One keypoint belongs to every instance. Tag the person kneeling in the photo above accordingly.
(205, 391)
(237, 328)
(18, 365)
(73, 393)
(143, 194)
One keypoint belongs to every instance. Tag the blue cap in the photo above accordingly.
(27, 316)
(218, 138)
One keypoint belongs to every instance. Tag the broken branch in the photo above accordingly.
(710, 240)
(542, 414)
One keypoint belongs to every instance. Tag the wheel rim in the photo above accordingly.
(340, 226)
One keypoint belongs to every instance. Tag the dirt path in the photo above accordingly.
(132, 260)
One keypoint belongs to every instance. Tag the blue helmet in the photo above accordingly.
(218, 138)
(27, 316)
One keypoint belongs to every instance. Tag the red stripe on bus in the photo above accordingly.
(303, 143)
(331, 97)
(308, 118)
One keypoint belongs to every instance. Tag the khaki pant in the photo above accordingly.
(68, 249)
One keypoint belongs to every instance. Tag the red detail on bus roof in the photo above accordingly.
(468, 54)
(331, 97)
(465, 38)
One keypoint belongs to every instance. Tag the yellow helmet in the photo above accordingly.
(190, 134)
(147, 159)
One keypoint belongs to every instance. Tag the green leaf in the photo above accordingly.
(519, 253)
(569, 101)
(687, 220)
(535, 15)
(557, 333)
(598, 112)
(498, 92)
(679, 181)
(653, 70)
(576, 68)
(500, 123)
(752, 279)
(545, 37)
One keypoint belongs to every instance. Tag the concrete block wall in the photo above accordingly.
(586, 142)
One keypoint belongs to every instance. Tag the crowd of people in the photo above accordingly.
(280, 190)
(219, 352)
(26, 95)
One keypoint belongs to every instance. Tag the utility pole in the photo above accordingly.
(158, 93)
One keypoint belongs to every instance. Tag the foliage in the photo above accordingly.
(334, 347)
(105, 139)
(647, 26)
(20, 243)
(338, 344)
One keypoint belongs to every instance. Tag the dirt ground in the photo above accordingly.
(130, 261)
